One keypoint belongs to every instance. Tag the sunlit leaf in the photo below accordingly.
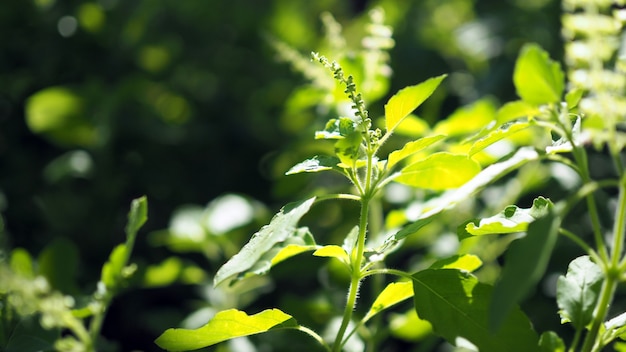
(551, 342)
(278, 230)
(347, 149)
(21, 263)
(315, 164)
(112, 269)
(408, 326)
(515, 110)
(290, 251)
(336, 129)
(394, 293)
(137, 216)
(468, 119)
(439, 171)
(456, 305)
(467, 262)
(538, 80)
(511, 219)
(450, 198)
(519, 274)
(333, 251)
(497, 135)
(408, 99)
(577, 292)
(224, 326)
(411, 148)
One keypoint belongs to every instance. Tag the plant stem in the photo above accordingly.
(314, 335)
(356, 259)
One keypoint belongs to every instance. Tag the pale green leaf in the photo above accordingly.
(515, 110)
(519, 274)
(224, 326)
(577, 292)
(497, 135)
(348, 148)
(278, 230)
(21, 263)
(408, 326)
(112, 269)
(467, 262)
(315, 164)
(336, 129)
(468, 119)
(439, 171)
(456, 305)
(394, 293)
(511, 219)
(451, 198)
(408, 99)
(137, 216)
(291, 250)
(551, 342)
(411, 148)
(333, 251)
(538, 80)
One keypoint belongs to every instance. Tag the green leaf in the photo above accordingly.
(278, 230)
(27, 335)
(497, 135)
(333, 251)
(394, 293)
(112, 269)
(467, 262)
(408, 326)
(137, 216)
(456, 304)
(411, 148)
(551, 342)
(577, 292)
(315, 164)
(347, 149)
(512, 219)
(291, 250)
(337, 129)
(22, 263)
(439, 171)
(58, 263)
(514, 110)
(468, 119)
(573, 97)
(408, 99)
(450, 198)
(538, 80)
(519, 274)
(224, 326)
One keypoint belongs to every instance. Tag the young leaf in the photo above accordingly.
(497, 135)
(456, 304)
(278, 230)
(411, 148)
(336, 129)
(468, 119)
(137, 216)
(514, 110)
(467, 262)
(315, 164)
(291, 250)
(225, 325)
(551, 342)
(394, 293)
(519, 274)
(453, 197)
(439, 171)
(577, 292)
(112, 269)
(511, 219)
(408, 99)
(538, 80)
(347, 149)
(333, 251)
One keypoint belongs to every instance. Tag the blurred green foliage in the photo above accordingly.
(102, 101)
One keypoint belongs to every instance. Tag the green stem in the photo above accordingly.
(606, 295)
(356, 260)
(315, 336)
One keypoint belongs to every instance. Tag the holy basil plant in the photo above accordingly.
(453, 162)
